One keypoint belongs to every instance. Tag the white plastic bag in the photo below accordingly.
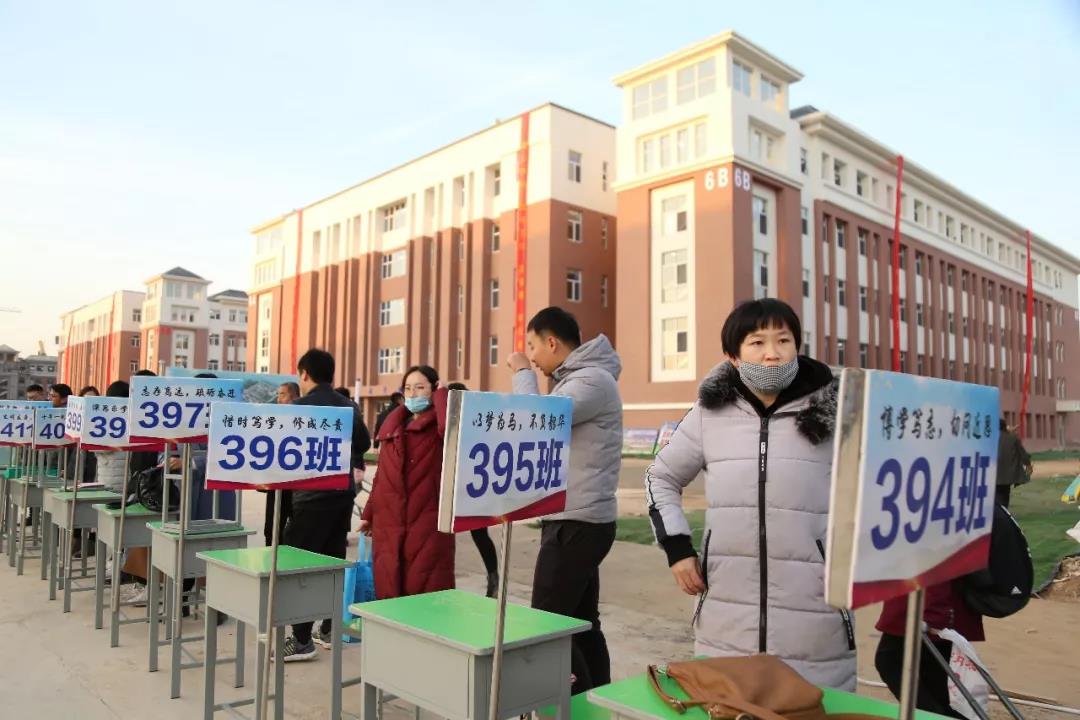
(962, 662)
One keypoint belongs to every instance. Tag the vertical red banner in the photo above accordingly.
(1029, 321)
(896, 265)
(296, 290)
(522, 235)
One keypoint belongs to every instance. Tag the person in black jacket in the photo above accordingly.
(320, 518)
(396, 399)
(1014, 464)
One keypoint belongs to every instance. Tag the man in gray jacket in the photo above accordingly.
(575, 542)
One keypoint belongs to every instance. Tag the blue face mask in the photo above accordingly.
(417, 404)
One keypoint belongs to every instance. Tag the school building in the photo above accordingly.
(720, 191)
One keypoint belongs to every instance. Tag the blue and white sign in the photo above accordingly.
(23, 404)
(506, 458)
(73, 418)
(921, 491)
(16, 426)
(176, 409)
(49, 427)
(105, 425)
(255, 445)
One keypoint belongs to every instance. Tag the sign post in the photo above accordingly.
(504, 459)
(914, 469)
(177, 410)
(16, 430)
(286, 446)
(73, 422)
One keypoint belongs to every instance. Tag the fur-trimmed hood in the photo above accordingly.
(815, 420)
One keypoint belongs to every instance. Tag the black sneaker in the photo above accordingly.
(322, 639)
(295, 652)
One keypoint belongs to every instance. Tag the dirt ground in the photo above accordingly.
(1055, 468)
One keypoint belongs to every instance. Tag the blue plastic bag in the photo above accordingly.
(359, 587)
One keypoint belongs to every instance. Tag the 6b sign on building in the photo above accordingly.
(913, 484)
(177, 409)
(505, 458)
(254, 445)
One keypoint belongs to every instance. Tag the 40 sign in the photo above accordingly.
(914, 471)
(49, 427)
(505, 458)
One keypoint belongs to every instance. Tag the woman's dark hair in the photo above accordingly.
(34, 387)
(456, 386)
(343, 391)
(318, 364)
(117, 388)
(426, 370)
(206, 376)
(397, 397)
(88, 389)
(62, 389)
(753, 315)
(145, 373)
(558, 322)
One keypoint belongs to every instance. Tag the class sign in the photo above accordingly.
(913, 484)
(506, 457)
(177, 409)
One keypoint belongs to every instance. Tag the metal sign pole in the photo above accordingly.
(268, 636)
(178, 579)
(71, 517)
(118, 534)
(500, 623)
(909, 685)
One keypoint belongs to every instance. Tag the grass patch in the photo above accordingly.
(1056, 455)
(1036, 506)
(1044, 518)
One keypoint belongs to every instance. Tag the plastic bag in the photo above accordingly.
(963, 662)
(359, 586)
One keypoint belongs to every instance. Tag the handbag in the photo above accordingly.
(359, 588)
(756, 687)
(148, 490)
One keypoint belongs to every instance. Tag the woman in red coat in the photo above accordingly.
(410, 556)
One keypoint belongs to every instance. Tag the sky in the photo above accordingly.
(137, 136)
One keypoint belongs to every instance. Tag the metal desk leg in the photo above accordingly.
(370, 708)
(167, 586)
(99, 585)
(84, 549)
(22, 543)
(10, 509)
(177, 645)
(210, 663)
(279, 674)
(335, 651)
(240, 633)
(69, 576)
(152, 601)
(260, 658)
(46, 534)
(52, 540)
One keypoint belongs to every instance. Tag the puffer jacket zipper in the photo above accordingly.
(763, 536)
(849, 627)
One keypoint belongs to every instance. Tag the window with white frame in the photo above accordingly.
(573, 285)
(770, 90)
(459, 353)
(676, 343)
(390, 360)
(134, 341)
(495, 237)
(215, 314)
(805, 283)
(573, 226)
(603, 176)
(493, 350)
(862, 298)
(392, 312)
(839, 173)
(682, 145)
(136, 315)
(133, 366)
(603, 233)
(180, 361)
(231, 342)
(603, 291)
(803, 162)
(761, 214)
(493, 293)
(740, 77)
(460, 298)
(183, 341)
(393, 216)
(392, 264)
(673, 215)
(183, 314)
(232, 316)
(761, 145)
(695, 81)
(646, 156)
(804, 216)
(496, 180)
(862, 182)
(649, 98)
(674, 282)
(700, 140)
(665, 150)
(574, 166)
(215, 340)
(212, 365)
(761, 274)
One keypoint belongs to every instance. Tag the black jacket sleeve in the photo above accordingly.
(361, 439)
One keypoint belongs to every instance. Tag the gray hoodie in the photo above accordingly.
(589, 376)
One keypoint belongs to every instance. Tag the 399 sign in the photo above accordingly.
(918, 497)
(528, 466)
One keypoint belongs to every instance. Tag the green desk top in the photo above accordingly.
(86, 495)
(155, 526)
(467, 621)
(133, 511)
(257, 561)
(636, 696)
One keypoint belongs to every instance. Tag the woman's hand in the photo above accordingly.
(365, 527)
(174, 464)
(688, 576)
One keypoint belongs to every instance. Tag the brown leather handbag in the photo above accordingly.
(757, 687)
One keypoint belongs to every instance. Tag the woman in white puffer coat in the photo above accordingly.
(761, 431)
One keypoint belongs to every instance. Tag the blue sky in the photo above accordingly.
(136, 136)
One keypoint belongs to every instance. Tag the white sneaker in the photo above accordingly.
(134, 593)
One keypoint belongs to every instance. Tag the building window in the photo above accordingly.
(919, 214)
(804, 166)
(646, 155)
(740, 78)
(697, 80)
(496, 180)
(761, 274)
(215, 340)
(665, 150)
(951, 322)
(673, 276)
(460, 299)
(682, 145)
(393, 216)
(392, 312)
(133, 366)
(493, 350)
(841, 352)
(761, 145)
(493, 293)
(949, 276)
(675, 344)
(770, 91)
(212, 365)
(760, 208)
(862, 298)
(806, 344)
(232, 316)
(864, 355)
(841, 294)
(495, 237)
(804, 214)
(392, 264)
(231, 342)
(825, 288)
(390, 360)
(919, 314)
(964, 325)
(841, 234)
(839, 170)
(700, 147)
(862, 242)
(573, 285)
(215, 314)
(649, 98)
(603, 176)
(134, 341)
(918, 264)
(574, 166)
(903, 309)
(603, 291)
(459, 354)
(136, 315)
(805, 283)
(573, 227)
(861, 182)
(603, 233)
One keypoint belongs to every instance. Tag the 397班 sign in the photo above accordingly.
(176, 409)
